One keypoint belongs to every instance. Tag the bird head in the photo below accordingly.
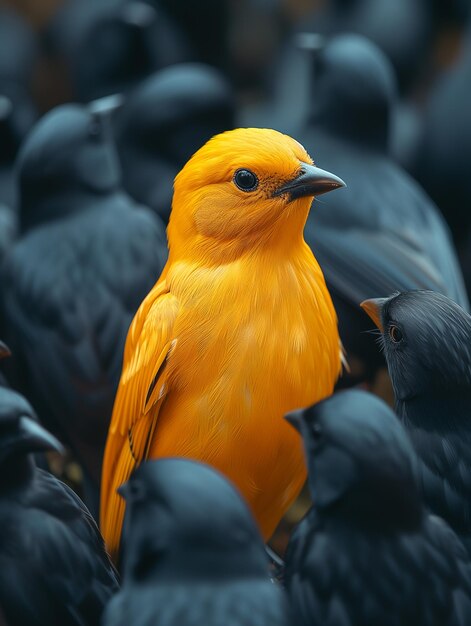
(244, 189)
(20, 433)
(67, 154)
(354, 89)
(204, 528)
(427, 342)
(361, 463)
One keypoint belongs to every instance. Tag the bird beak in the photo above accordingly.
(310, 42)
(132, 491)
(373, 308)
(36, 438)
(311, 181)
(138, 14)
(107, 105)
(122, 490)
(6, 107)
(295, 418)
(4, 350)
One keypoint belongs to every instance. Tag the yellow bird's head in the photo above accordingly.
(244, 188)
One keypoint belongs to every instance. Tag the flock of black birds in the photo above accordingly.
(85, 195)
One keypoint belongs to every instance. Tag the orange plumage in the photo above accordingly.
(238, 330)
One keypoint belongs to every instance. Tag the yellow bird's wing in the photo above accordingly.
(141, 392)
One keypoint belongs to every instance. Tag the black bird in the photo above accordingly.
(72, 283)
(427, 344)
(111, 45)
(53, 564)
(17, 112)
(210, 39)
(163, 122)
(380, 21)
(444, 147)
(368, 552)
(192, 553)
(382, 233)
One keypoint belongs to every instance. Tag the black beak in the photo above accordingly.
(311, 42)
(373, 308)
(6, 107)
(4, 350)
(295, 418)
(138, 14)
(132, 491)
(107, 105)
(35, 438)
(311, 181)
(122, 490)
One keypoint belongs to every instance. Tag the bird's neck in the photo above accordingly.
(437, 410)
(61, 205)
(15, 472)
(279, 242)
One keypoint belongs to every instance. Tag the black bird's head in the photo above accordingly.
(427, 343)
(165, 120)
(20, 432)
(68, 155)
(18, 52)
(117, 44)
(184, 520)
(353, 90)
(360, 461)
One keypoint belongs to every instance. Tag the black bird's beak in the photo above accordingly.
(4, 350)
(35, 438)
(122, 490)
(133, 491)
(138, 14)
(311, 181)
(310, 42)
(295, 419)
(107, 105)
(373, 308)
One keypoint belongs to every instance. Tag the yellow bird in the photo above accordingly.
(238, 330)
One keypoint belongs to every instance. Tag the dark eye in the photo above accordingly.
(246, 180)
(395, 334)
(317, 431)
(94, 128)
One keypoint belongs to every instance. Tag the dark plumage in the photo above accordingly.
(368, 553)
(382, 232)
(17, 112)
(427, 344)
(192, 553)
(380, 21)
(53, 565)
(444, 147)
(163, 122)
(111, 45)
(210, 39)
(72, 283)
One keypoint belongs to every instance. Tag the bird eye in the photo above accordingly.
(246, 180)
(94, 128)
(395, 334)
(317, 432)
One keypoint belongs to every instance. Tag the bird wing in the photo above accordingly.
(359, 264)
(382, 233)
(141, 392)
(53, 564)
(70, 293)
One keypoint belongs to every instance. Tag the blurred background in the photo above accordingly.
(180, 72)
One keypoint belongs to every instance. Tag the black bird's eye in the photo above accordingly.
(94, 128)
(246, 180)
(317, 432)
(395, 334)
